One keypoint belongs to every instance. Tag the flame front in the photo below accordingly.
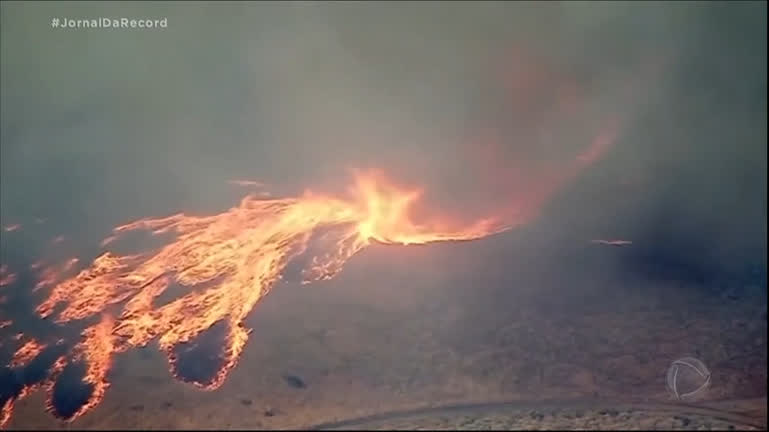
(26, 353)
(226, 263)
(240, 253)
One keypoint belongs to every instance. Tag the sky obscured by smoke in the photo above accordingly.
(100, 127)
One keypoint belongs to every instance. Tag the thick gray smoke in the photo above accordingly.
(489, 106)
(104, 126)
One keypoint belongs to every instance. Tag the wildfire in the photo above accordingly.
(226, 263)
(26, 353)
(6, 410)
(96, 352)
(48, 276)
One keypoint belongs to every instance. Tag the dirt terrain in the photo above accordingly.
(388, 338)
(580, 415)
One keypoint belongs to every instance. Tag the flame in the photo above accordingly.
(6, 277)
(238, 255)
(226, 263)
(7, 409)
(96, 351)
(26, 353)
(49, 275)
(49, 384)
(23, 356)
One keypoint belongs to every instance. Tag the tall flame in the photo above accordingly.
(227, 262)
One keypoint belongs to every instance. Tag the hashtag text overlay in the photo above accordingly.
(109, 23)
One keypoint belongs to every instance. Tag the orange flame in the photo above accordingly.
(227, 263)
(26, 353)
(7, 409)
(240, 254)
(56, 369)
(96, 351)
(21, 358)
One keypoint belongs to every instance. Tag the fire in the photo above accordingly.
(96, 351)
(49, 384)
(48, 276)
(6, 410)
(226, 263)
(26, 353)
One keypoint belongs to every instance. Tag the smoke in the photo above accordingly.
(634, 121)
(480, 103)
